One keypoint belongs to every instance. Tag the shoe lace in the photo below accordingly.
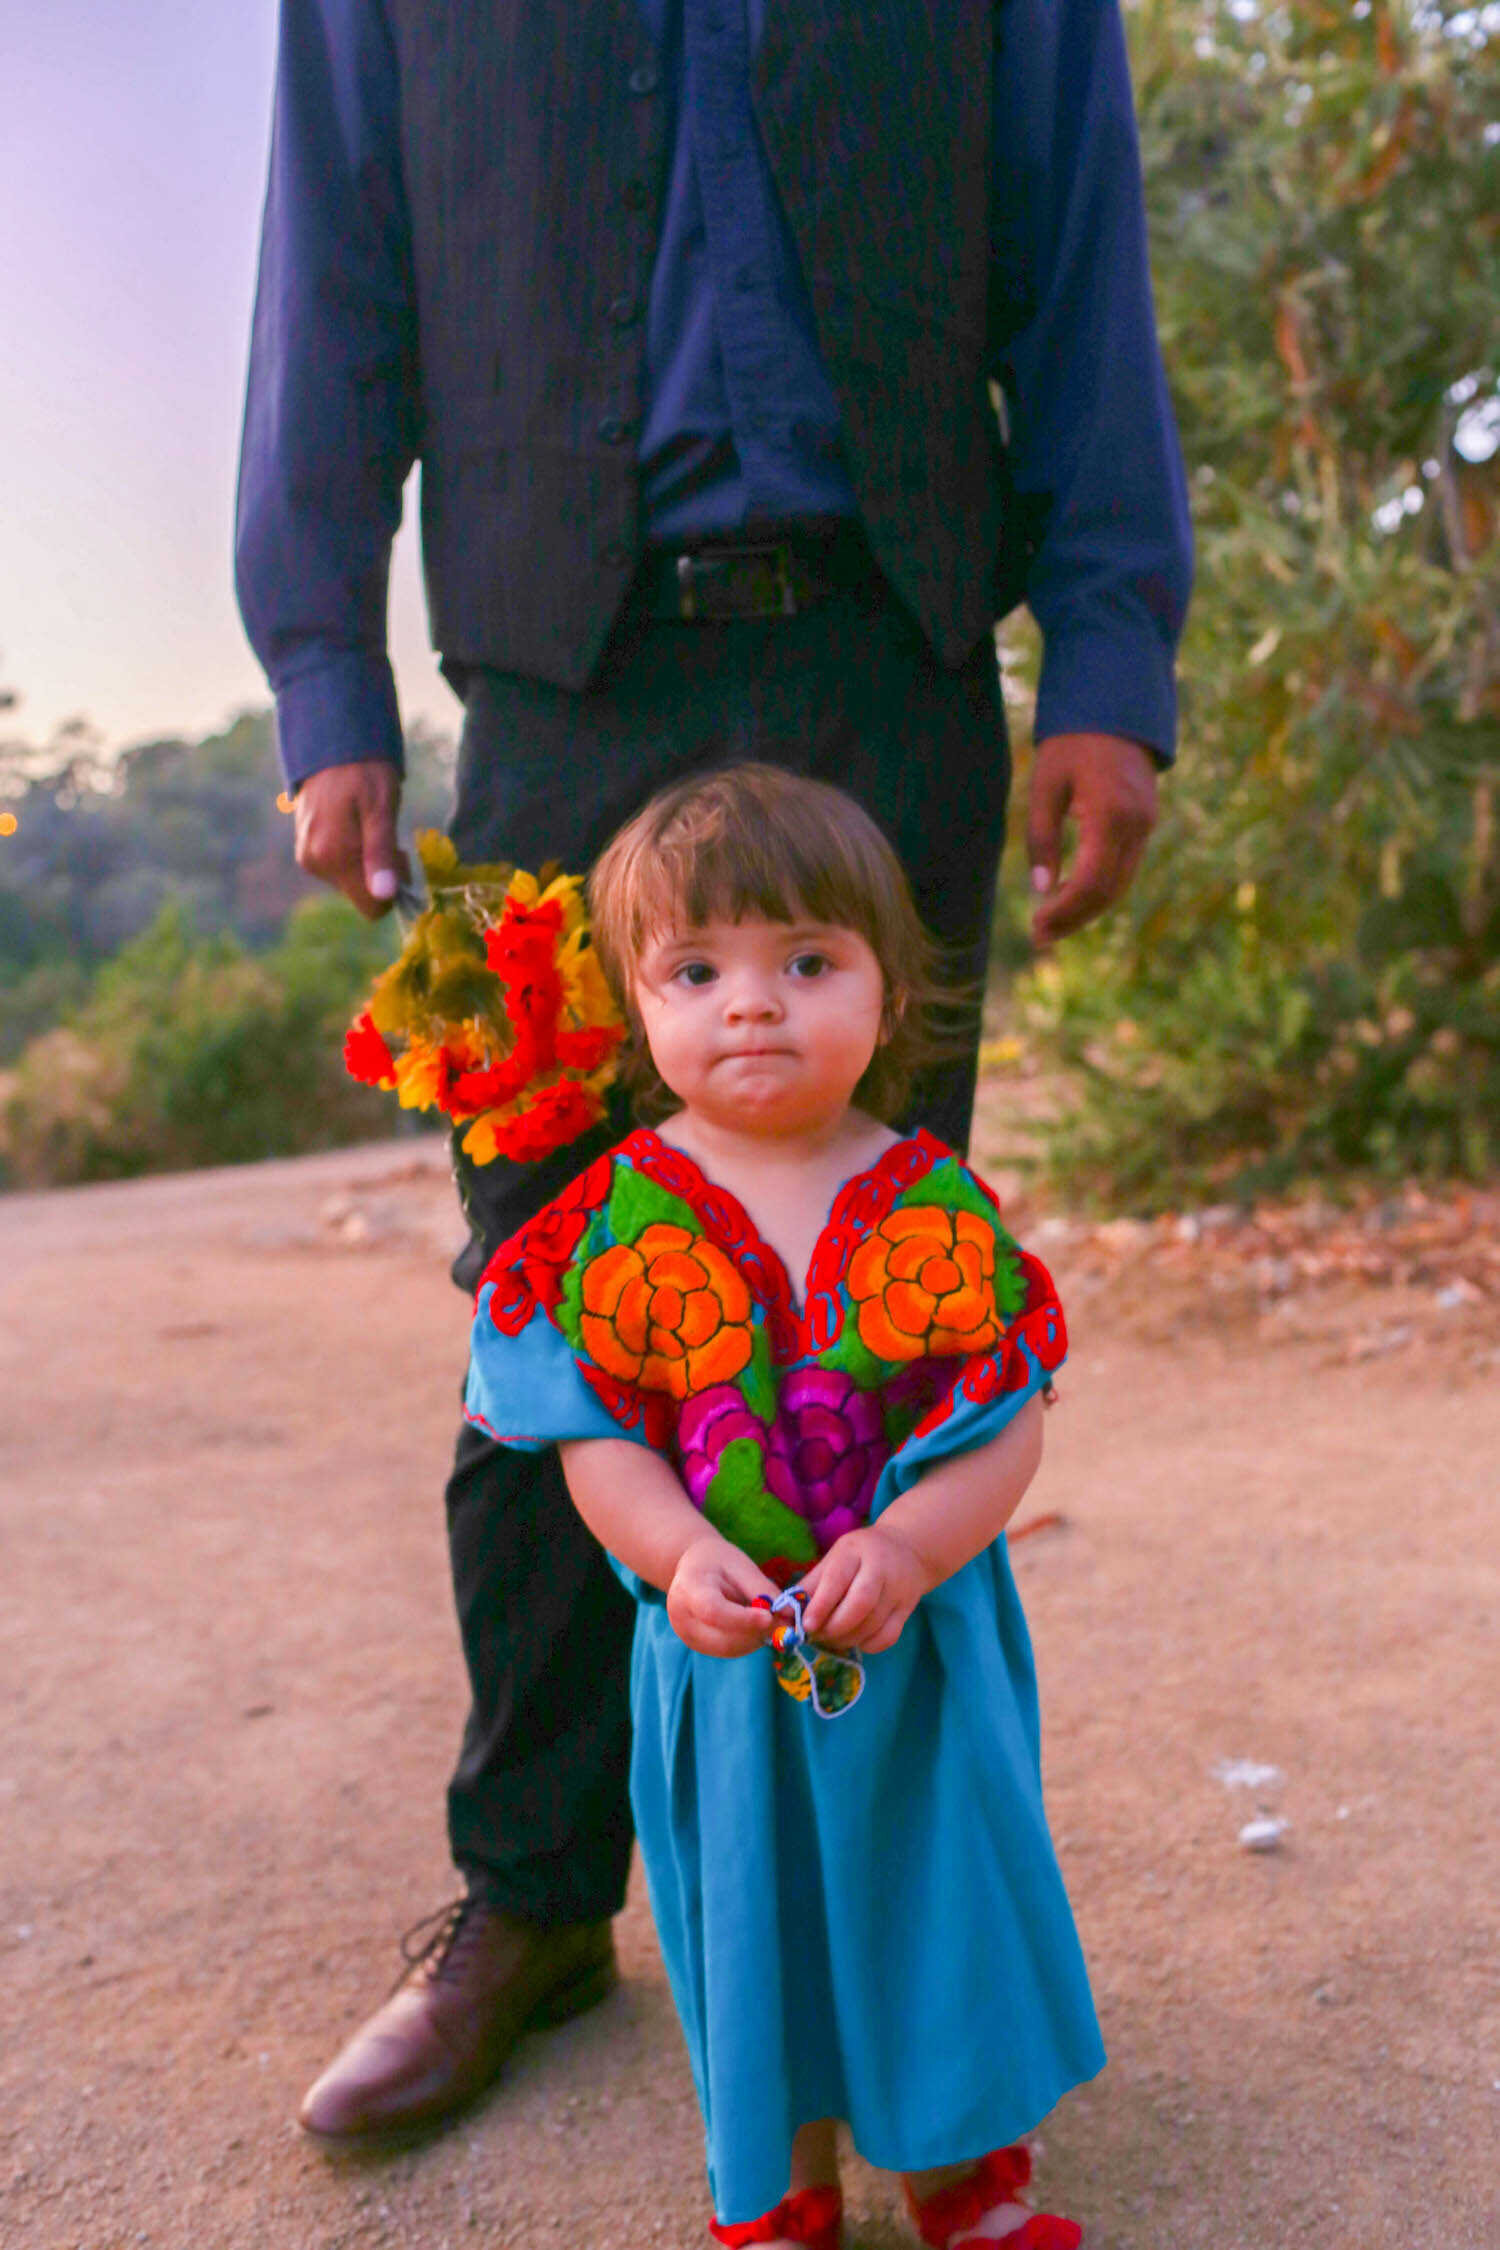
(429, 1948)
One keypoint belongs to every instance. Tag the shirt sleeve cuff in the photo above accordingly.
(339, 711)
(1115, 682)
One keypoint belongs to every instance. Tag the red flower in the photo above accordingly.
(366, 1055)
(474, 1090)
(590, 1048)
(520, 949)
(558, 1115)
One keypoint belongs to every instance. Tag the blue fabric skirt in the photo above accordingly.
(861, 1917)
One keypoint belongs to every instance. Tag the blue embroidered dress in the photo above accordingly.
(864, 1918)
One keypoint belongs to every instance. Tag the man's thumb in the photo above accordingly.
(1044, 831)
(382, 879)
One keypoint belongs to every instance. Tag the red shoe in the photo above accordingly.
(814, 2216)
(996, 2178)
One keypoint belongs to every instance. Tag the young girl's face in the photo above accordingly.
(761, 1027)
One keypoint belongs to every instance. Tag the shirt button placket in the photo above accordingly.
(740, 258)
(624, 311)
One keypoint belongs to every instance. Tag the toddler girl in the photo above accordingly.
(794, 1363)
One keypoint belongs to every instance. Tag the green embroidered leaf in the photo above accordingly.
(900, 1420)
(569, 1312)
(738, 1504)
(1010, 1282)
(854, 1358)
(636, 1203)
(948, 1186)
(757, 1382)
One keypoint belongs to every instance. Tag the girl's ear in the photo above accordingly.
(890, 1016)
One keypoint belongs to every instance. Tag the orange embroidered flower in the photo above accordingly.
(667, 1312)
(923, 1283)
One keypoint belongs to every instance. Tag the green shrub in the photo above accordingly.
(1306, 975)
(190, 1051)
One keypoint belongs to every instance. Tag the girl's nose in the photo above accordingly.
(751, 997)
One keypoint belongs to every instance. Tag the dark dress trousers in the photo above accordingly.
(470, 217)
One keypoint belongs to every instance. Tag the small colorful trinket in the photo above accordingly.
(828, 1679)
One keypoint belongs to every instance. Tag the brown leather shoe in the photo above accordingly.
(481, 1979)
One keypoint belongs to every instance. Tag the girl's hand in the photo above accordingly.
(710, 1595)
(863, 1590)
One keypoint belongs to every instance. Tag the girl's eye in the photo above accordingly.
(806, 966)
(695, 973)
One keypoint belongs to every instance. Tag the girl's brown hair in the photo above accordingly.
(754, 841)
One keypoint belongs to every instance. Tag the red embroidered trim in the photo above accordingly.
(531, 1263)
(632, 1408)
(862, 1202)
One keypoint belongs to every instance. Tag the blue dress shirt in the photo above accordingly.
(741, 423)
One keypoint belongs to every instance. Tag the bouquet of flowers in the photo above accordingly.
(496, 1011)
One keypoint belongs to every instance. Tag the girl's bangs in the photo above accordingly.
(718, 868)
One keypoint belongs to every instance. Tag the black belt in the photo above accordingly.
(767, 577)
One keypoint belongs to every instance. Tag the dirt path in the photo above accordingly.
(231, 1690)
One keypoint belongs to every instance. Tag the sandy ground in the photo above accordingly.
(231, 1691)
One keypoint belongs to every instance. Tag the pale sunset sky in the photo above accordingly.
(133, 142)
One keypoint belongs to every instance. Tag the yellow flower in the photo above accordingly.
(419, 1075)
(587, 996)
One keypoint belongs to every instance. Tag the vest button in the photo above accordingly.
(613, 430)
(624, 311)
(645, 78)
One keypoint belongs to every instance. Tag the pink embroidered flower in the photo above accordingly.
(828, 1447)
(709, 1421)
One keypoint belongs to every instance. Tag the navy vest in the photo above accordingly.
(533, 150)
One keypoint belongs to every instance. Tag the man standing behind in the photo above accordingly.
(691, 311)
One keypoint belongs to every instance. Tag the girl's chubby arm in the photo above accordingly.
(864, 1589)
(634, 1504)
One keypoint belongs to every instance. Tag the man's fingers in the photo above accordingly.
(346, 832)
(385, 864)
(1107, 785)
(1051, 790)
(1098, 876)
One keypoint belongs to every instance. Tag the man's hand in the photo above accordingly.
(1106, 784)
(345, 820)
(863, 1590)
(710, 1597)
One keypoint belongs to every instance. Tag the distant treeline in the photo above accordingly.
(172, 990)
